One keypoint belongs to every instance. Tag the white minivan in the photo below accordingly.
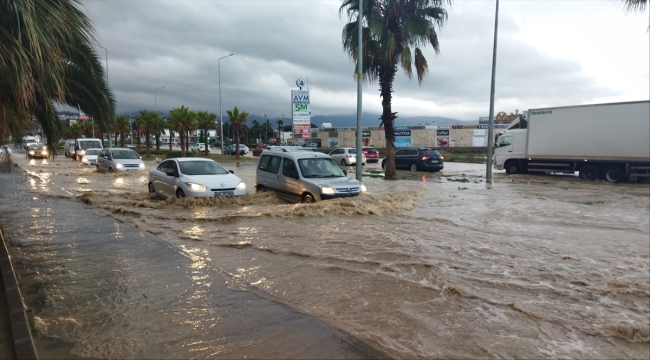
(304, 176)
(76, 148)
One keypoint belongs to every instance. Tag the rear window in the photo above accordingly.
(352, 151)
(430, 153)
(370, 150)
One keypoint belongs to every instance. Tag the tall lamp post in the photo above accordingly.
(220, 112)
(110, 142)
(130, 119)
(488, 170)
(359, 169)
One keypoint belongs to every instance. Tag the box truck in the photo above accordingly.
(600, 141)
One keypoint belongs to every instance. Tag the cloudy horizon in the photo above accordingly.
(551, 53)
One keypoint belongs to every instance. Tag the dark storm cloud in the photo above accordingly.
(176, 44)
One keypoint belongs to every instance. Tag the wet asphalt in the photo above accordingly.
(58, 243)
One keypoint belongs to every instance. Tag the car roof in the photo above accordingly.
(191, 159)
(297, 154)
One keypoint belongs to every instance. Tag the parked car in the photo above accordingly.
(372, 155)
(304, 176)
(346, 156)
(199, 147)
(37, 151)
(230, 150)
(194, 177)
(119, 159)
(90, 157)
(258, 150)
(417, 159)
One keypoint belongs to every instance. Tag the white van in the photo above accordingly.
(76, 148)
(304, 176)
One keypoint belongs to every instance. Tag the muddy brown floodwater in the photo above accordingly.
(431, 266)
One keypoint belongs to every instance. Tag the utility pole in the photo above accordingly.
(488, 170)
(359, 93)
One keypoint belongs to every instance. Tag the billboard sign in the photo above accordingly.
(442, 132)
(301, 114)
(403, 133)
(403, 142)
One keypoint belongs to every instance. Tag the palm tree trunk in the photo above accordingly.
(122, 139)
(171, 139)
(158, 142)
(388, 118)
(237, 142)
(182, 134)
(116, 138)
(187, 141)
(147, 141)
(205, 137)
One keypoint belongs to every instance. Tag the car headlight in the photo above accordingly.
(195, 187)
(326, 190)
(363, 188)
(241, 185)
(82, 152)
(141, 166)
(84, 160)
(44, 152)
(119, 166)
(31, 152)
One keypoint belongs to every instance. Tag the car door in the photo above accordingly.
(504, 151)
(100, 160)
(400, 158)
(161, 181)
(337, 155)
(290, 180)
(267, 172)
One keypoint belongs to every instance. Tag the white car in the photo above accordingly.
(90, 157)
(119, 159)
(199, 147)
(194, 177)
(346, 156)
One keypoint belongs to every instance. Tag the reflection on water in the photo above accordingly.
(431, 266)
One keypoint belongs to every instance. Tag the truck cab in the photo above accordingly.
(511, 148)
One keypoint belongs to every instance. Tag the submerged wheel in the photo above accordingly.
(110, 169)
(414, 167)
(260, 189)
(151, 188)
(589, 172)
(512, 168)
(613, 175)
(180, 193)
(308, 198)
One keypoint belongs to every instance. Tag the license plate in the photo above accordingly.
(131, 169)
(223, 193)
(434, 161)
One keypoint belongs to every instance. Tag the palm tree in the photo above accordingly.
(635, 6)
(183, 120)
(122, 126)
(158, 127)
(205, 121)
(393, 32)
(47, 62)
(147, 121)
(170, 125)
(237, 119)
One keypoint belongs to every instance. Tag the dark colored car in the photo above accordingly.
(372, 155)
(417, 159)
(258, 150)
(37, 151)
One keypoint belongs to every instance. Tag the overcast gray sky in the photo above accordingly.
(550, 53)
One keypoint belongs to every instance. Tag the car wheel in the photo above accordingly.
(414, 167)
(110, 169)
(383, 164)
(343, 162)
(613, 175)
(512, 167)
(308, 198)
(589, 173)
(260, 189)
(151, 188)
(180, 193)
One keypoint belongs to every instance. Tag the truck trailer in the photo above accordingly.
(600, 141)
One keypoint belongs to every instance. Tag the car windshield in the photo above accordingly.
(87, 144)
(370, 150)
(202, 168)
(92, 152)
(319, 168)
(125, 154)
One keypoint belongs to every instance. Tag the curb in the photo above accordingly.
(22, 333)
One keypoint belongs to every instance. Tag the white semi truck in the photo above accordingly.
(601, 141)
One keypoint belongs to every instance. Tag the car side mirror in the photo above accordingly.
(230, 171)
(140, 157)
(345, 172)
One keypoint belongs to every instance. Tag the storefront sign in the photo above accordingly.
(442, 132)
(403, 133)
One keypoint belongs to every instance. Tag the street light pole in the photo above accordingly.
(488, 170)
(359, 169)
(130, 119)
(220, 111)
(110, 141)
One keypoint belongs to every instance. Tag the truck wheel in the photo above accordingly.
(512, 168)
(589, 173)
(613, 175)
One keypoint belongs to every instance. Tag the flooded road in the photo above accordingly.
(433, 265)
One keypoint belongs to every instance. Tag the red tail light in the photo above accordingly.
(442, 157)
(348, 156)
(425, 158)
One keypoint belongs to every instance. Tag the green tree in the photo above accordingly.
(393, 32)
(48, 56)
(158, 128)
(146, 121)
(205, 121)
(122, 127)
(237, 119)
(184, 121)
